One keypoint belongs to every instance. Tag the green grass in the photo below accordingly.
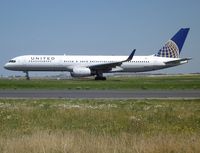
(102, 126)
(100, 116)
(123, 83)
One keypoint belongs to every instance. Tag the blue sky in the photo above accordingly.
(97, 27)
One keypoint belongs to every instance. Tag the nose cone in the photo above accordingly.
(7, 66)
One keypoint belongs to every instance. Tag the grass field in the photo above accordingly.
(102, 126)
(128, 83)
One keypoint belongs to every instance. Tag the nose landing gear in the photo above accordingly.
(27, 75)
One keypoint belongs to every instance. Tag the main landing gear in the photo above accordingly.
(100, 77)
(27, 75)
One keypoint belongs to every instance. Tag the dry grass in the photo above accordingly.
(81, 142)
(100, 126)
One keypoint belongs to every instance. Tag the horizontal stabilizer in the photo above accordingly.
(179, 61)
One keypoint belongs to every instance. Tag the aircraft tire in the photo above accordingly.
(100, 78)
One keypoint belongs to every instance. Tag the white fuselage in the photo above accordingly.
(68, 63)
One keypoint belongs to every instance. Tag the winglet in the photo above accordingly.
(130, 56)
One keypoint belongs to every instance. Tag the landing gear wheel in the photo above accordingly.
(27, 76)
(100, 78)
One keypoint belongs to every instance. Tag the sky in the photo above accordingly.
(110, 27)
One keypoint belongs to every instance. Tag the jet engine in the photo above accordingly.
(81, 72)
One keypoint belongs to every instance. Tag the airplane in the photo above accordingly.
(84, 66)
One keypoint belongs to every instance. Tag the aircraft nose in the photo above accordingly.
(6, 66)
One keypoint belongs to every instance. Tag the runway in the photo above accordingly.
(90, 94)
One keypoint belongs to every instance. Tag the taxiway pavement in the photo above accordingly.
(90, 94)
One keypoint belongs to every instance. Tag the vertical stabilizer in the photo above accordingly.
(174, 46)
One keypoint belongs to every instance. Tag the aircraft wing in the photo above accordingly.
(109, 66)
(177, 61)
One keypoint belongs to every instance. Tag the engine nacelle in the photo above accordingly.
(81, 72)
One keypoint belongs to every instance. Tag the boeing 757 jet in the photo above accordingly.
(84, 66)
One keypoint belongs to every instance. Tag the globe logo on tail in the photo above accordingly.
(169, 50)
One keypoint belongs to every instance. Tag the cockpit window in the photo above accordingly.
(12, 61)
